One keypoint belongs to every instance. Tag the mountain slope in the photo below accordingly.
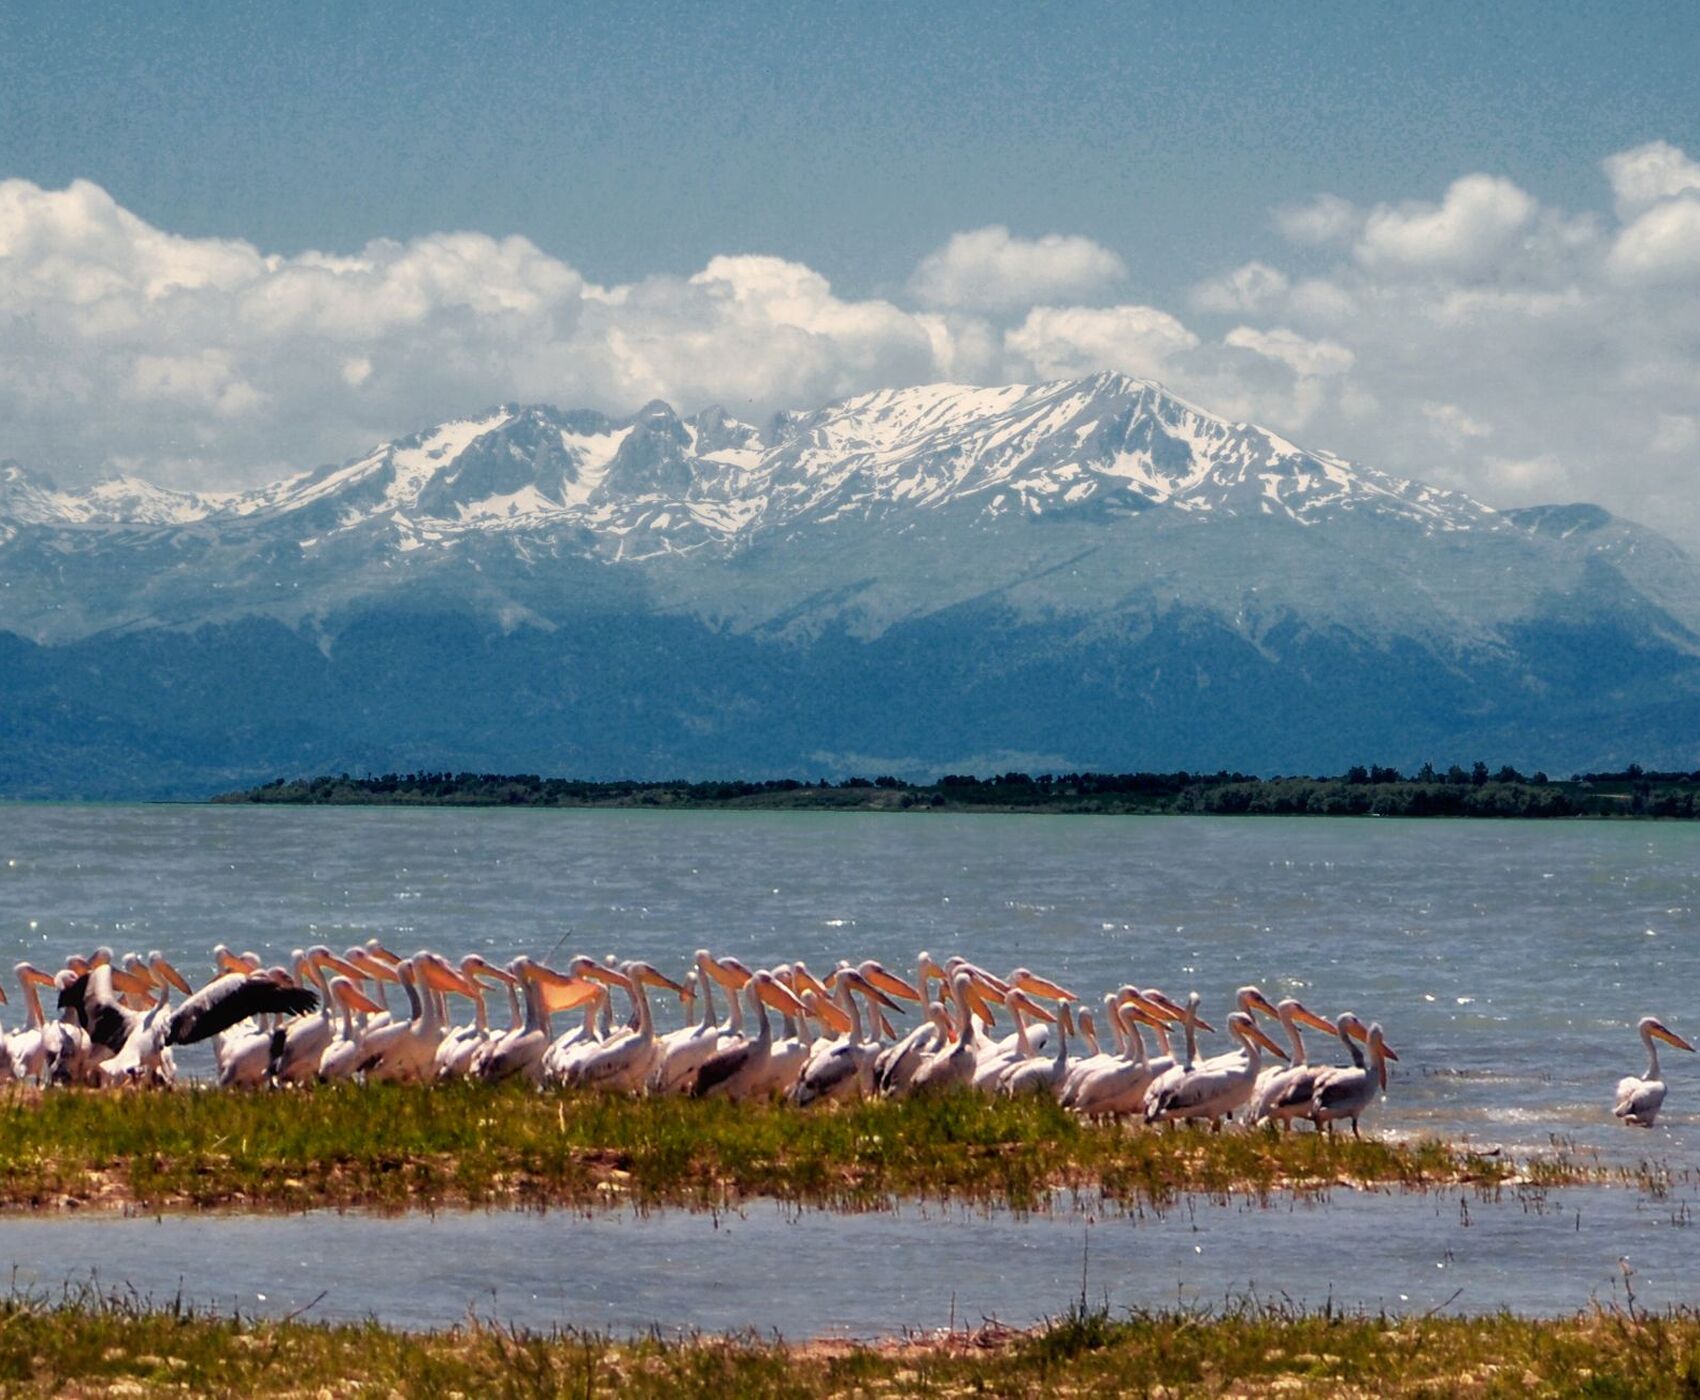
(1090, 573)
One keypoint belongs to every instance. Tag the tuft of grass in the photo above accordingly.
(84, 1342)
(394, 1146)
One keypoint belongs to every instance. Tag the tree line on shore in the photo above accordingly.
(1372, 790)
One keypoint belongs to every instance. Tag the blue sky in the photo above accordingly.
(1461, 242)
(646, 138)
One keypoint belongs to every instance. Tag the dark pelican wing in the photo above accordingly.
(719, 1067)
(235, 997)
(97, 1011)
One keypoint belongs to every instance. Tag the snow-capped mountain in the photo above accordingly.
(656, 483)
(1090, 573)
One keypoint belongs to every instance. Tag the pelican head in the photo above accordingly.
(1652, 1027)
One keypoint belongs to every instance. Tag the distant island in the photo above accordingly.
(1360, 792)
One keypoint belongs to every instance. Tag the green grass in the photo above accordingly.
(87, 1344)
(397, 1146)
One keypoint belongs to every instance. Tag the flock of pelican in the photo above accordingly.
(329, 1016)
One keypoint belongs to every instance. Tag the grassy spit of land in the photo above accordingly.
(395, 1146)
(1359, 792)
(88, 1345)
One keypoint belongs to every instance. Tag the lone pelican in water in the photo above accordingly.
(1639, 1100)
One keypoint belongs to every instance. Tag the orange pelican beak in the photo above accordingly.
(1306, 1017)
(1257, 1001)
(1663, 1033)
(1037, 986)
(802, 980)
(560, 992)
(338, 965)
(1169, 1010)
(445, 977)
(37, 976)
(162, 969)
(729, 973)
(382, 954)
(1265, 1041)
(123, 981)
(978, 1004)
(376, 968)
(651, 978)
(889, 982)
(1029, 1007)
(827, 1012)
(1360, 1032)
(353, 998)
(780, 997)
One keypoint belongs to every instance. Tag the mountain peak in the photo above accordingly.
(654, 482)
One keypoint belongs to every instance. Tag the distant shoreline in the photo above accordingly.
(1630, 795)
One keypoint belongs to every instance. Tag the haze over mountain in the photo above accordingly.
(1083, 574)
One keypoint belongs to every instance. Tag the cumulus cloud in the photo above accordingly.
(219, 364)
(1478, 217)
(1320, 222)
(989, 269)
(1255, 286)
(1649, 173)
(1662, 244)
(1476, 337)
(1316, 358)
(1060, 342)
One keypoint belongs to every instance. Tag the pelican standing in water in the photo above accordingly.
(1346, 1093)
(1638, 1100)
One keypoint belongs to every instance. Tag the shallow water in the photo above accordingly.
(1507, 961)
(807, 1274)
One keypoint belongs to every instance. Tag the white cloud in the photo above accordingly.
(1255, 286)
(1320, 222)
(989, 269)
(1661, 245)
(1478, 217)
(1486, 342)
(1454, 427)
(1316, 358)
(221, 364)
(1062, 341)
(1649, 173)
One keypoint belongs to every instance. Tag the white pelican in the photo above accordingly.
(844, 1068)
(1638, 1100)
(683, 1051)
(144, 1055)
(952, 1066)
(1042, 1074)
(1161, 1083)
(895, 1065)
(459, 1048)
(1214, 1088)
(406, 1051)
(298, 1048)
(997, 1058)
(544, 992)
(1284, 1092)
(624, 1066)
(26, 1049)
(1112, 1085)
(740, 1070)
(343, 1056)
(1346, 1093)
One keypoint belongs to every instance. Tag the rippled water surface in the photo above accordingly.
(1507, 961)
(811, 1274)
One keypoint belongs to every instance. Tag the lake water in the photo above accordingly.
(806, 1274)
(1507, 961)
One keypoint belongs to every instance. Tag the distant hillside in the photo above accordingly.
(1085, 575)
